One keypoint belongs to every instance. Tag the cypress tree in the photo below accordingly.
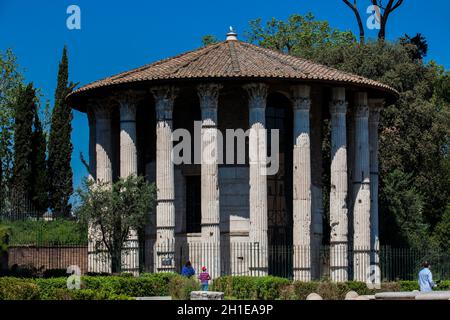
(23, 128)
(60, 146)
(38, 184)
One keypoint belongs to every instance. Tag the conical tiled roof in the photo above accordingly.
(235, 60)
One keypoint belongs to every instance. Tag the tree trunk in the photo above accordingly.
(116, 261)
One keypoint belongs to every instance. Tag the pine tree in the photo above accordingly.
(60, 146)
(38, 186)
(23, 128)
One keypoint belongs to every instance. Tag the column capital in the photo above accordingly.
(100, 108)
(338, 107)
(375, 107)
(208, 94)
(128, 101)
(361, 105)
(300, 97)
(361, 111)
(164, 100)
(257, 93)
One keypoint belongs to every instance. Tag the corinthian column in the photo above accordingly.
(361, 189)
(338, 190)
(165, 208)
(258, 180)
(375, 106)
(103, 138)
(128, 151)
(128, 166)
(92, 144)
(302, 183)
(209, 99)
(98, 259)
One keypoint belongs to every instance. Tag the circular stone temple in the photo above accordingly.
(228, 210)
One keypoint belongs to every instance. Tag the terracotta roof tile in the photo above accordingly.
(233, 59)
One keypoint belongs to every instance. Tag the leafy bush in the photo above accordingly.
(149, 285)
(270, 288)
(163, 284)
(180, 287)
(5, 233)
(246, 287)
(409, 285)
(18, 289)
(32, 232)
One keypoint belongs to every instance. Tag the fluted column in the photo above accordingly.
(128, 166)
(375, 106)
(98, 259)
(302, 183)
(165, 184)
(209, 99)
(339, 189)
(361, 190)
(128, 150)
(103, 147)
(258, 180)
(92, 144)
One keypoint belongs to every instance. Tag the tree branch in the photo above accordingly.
(354, 8)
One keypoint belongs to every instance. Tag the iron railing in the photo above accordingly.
(236, 258)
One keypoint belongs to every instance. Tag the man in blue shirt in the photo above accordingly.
(426, 278)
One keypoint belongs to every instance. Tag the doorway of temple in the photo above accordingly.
(279, 116)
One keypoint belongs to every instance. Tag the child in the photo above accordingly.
(204, 278)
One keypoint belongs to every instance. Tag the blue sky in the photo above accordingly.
(119, 35)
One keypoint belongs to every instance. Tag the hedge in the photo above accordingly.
(165, 284)
(41, 232)
(270, 288)
(98, 287)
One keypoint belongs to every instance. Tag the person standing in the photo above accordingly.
(426, 278)
(204, 278)
(188, 270)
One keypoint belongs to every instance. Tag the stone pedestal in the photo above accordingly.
(206, 295)
(361, 190)
(165, 208)
(258, 180)
(209, 98)
(338, 190)
(302, 183)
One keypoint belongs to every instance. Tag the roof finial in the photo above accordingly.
(232, 35)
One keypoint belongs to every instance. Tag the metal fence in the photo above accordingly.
(235, 259)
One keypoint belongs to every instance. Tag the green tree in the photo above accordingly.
(299, 35)
(442, 232)
(114, 210)
(23, 129)
(208, 40)
(414, 132)
(38, 185)
(60, 146)
(11, 82)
